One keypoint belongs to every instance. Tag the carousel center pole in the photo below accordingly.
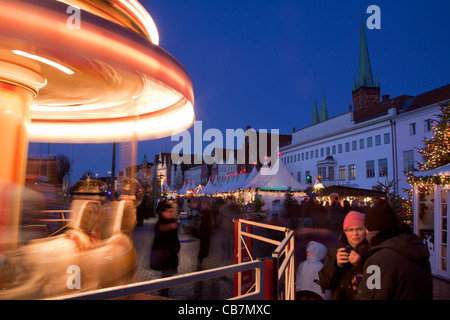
(18, 87)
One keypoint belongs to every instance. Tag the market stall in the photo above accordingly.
(430, 200)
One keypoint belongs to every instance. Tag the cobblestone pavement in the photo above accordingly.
(441, 289)
(222, 288)
(213, 289)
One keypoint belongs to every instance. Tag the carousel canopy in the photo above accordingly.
(107, 80)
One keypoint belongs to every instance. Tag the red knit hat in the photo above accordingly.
(353, 218)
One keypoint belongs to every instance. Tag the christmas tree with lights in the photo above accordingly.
(436, 152)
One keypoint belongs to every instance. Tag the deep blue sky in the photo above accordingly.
(262, 63)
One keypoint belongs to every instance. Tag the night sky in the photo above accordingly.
(262, 63)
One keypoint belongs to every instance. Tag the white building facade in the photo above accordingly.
(370, 145)
(364, 155)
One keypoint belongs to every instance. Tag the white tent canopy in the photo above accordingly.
(250, 177)
(210, 188)
(228, 183)
(183, 189)
(275, 178)
(240, 183)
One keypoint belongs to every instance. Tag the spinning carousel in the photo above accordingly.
(80, 71)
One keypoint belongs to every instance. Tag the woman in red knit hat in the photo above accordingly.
(344, 261)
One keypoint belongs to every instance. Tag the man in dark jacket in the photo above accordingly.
(398, 268)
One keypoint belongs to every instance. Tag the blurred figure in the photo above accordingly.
(204, 231)
(41, 265)
(176, 209)
(166, 245)
(230, 211)
(275, 234)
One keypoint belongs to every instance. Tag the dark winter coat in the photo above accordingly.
(165, 248)
(204, 233)
(339, 279)
(405, 272)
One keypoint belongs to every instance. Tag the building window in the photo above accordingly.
(370, 168)
(408, 160)
(427, 125)
(369, 142)
(361, 143)
(307, 155)
(299, 176)
(342, 173)
(308, 177)
(387, 138)
(339, 148)
(303, 156)
(347, 146)
(351, 172)
(378, 140)
(412, 129)
(333, 149)
(311, 155)
(322, 172)
(295, 158)
(322, 152)
(331, 173)
(354, 145)
(328, 151)
(382, 167)
(317, 153)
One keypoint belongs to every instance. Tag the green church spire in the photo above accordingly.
(364, 70)
(315, 118)
(323, 110)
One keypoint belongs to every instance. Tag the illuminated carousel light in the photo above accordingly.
(116, 82)
(106, 80)
(44, 60)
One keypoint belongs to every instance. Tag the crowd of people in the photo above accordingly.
(376, 257)
(311, 212)
(205, 215)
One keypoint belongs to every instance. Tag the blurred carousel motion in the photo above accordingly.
(79, 71)
(98, 242)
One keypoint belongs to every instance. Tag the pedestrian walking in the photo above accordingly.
(398, 267)
(344, 261)
(230, 211)
(166, 245)
(204, 231)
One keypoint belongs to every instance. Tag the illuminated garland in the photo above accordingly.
(428, 180)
